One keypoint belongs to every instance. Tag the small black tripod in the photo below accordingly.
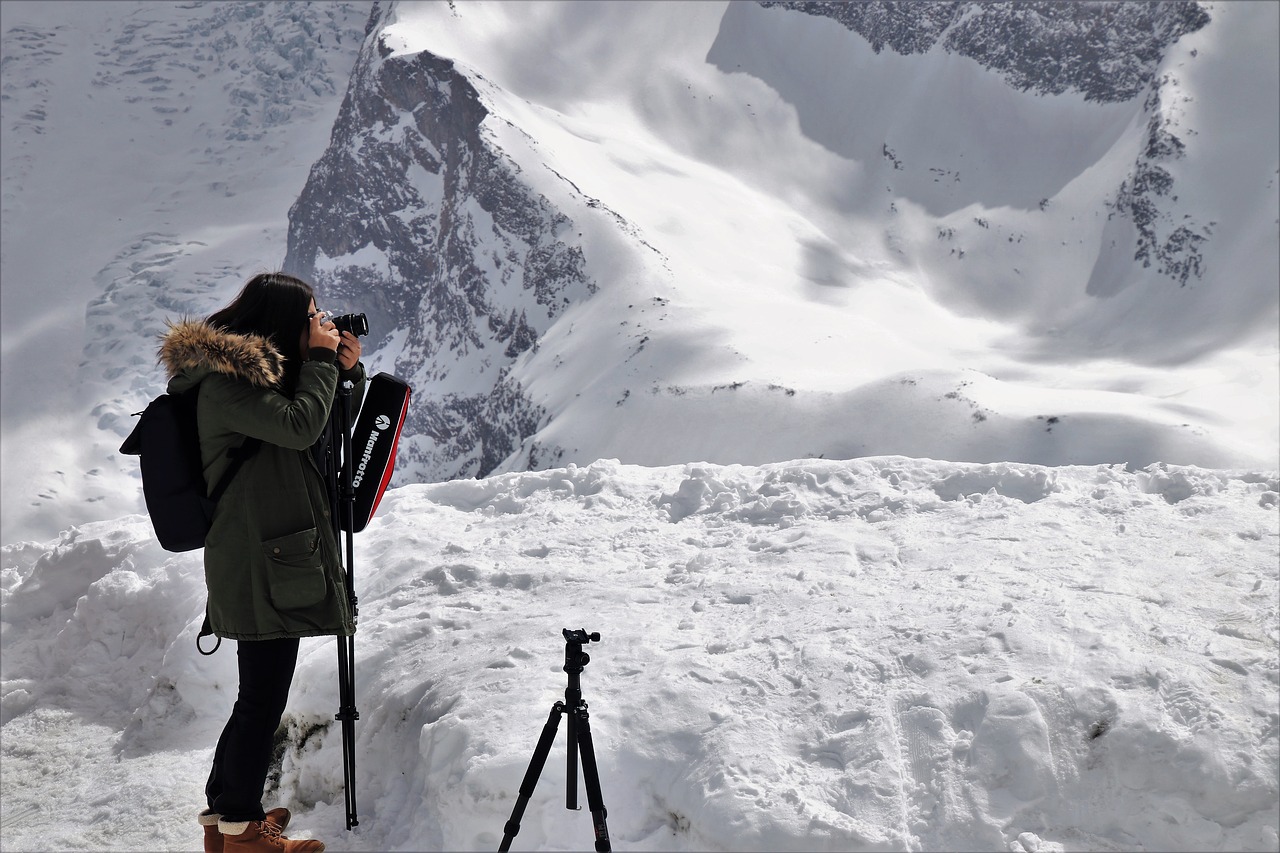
(579, 742)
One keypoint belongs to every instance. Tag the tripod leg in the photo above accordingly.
(571, 769)
(347, 715)
(536, 763)
(591, 775)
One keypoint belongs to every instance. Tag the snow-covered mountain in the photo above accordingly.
(709, 246)
(739, 232)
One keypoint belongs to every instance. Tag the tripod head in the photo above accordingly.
(574, 657)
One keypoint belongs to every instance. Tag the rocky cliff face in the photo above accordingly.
(1108, 52)
(413, 217)
(1173, 246)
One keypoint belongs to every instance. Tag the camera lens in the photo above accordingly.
(356, 324)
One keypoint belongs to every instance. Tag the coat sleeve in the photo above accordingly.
(271, 416)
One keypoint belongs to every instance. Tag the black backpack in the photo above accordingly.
(167, 440)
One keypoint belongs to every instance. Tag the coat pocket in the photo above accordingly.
(297, 577)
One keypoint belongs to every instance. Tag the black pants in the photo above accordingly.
(243, 755)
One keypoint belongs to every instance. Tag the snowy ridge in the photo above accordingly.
(878, 654)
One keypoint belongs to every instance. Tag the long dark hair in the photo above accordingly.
(273, 305)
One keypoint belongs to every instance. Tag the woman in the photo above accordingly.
(267, 366)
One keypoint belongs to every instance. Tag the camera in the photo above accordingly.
(356, 324)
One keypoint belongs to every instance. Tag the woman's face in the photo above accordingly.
(304, 344)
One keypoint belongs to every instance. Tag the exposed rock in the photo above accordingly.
(1107, 51)
(417, 218)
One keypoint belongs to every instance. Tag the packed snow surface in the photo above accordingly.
(878, 654)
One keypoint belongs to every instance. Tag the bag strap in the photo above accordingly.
(239, 455)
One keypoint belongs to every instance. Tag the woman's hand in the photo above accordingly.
(349, 351)
(322, 333)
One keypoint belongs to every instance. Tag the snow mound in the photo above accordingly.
(883, 653)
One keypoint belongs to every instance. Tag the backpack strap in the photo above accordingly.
(239, 455)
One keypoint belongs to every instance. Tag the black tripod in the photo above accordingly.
(342, 495)
(579, 742)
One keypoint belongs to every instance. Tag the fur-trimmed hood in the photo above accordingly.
(192, 349)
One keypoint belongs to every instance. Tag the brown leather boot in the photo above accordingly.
(279, 818)
(259, 836)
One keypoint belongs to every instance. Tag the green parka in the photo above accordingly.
(271, 559)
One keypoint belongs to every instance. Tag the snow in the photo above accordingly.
(137, 184)
(977, 642)
(876, 654)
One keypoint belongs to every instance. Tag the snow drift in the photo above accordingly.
(882, 654)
